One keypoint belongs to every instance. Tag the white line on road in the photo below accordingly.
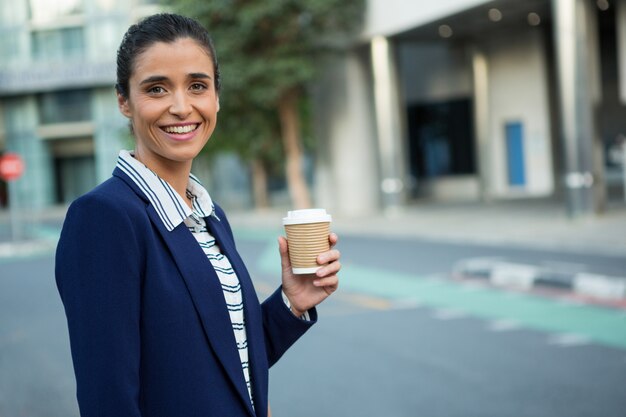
(448, 314)
(504, 325)
(568, 340)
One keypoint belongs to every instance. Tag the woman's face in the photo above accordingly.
(172, 103)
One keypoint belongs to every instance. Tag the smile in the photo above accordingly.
(180, 129)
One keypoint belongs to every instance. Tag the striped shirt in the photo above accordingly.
(173, 211)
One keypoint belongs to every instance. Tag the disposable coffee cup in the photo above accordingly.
(307, 236)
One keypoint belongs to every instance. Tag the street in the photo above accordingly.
(400, 338)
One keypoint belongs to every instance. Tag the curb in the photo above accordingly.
(500, 273)
(27, 248)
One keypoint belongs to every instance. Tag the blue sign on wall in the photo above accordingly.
(515, 154)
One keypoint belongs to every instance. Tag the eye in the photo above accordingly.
(156, 90)
(198, 87)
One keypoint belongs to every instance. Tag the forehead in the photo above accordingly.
(184, 55)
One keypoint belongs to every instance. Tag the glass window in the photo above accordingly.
(9, 48)
(64, 106)
(44, 11)
(58, 44)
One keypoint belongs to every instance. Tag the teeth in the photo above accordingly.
(180, 129)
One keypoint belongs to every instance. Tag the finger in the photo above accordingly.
(333, 238)
(330, 269)
(330, 283)
(329, 256)
(283, 249)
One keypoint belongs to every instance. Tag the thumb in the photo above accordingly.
(283, 249)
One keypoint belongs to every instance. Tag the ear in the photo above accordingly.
(218, 103)
(122, 104)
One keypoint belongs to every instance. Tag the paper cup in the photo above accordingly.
(307, 236)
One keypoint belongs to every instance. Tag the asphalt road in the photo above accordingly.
(399, 339)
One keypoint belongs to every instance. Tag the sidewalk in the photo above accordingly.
(534, 224)
(540, 224)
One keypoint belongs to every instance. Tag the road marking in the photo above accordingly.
(405, 304)
(600, 325)
(600, 286)
(504, 325)
(361, 300)
(512, 275)
(568, 340)
(448, 314)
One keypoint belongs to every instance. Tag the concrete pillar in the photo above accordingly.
(346, 171)
(389, 124)
(576, 72)
(480, 75)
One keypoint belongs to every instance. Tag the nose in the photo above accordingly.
(181, 105)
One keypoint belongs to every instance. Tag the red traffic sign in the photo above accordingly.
(11, 166)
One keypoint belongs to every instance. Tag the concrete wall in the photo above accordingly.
(518, 92)
(346, 174)
(388, 17)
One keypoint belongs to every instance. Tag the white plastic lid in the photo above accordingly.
(306, 216)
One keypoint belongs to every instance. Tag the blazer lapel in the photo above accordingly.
(208, 298)
(252, 312)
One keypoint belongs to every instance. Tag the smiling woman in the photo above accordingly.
(172, 104)
(163, 317)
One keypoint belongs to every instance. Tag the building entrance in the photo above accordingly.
(441, 141)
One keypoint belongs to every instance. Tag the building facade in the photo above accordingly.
(477, 100)
(58, 107)
(448, 100)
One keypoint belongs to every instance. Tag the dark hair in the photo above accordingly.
(162, 27)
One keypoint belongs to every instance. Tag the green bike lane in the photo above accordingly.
(604, 326)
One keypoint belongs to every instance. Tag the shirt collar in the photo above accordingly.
(169, 205)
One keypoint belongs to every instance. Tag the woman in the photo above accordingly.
(162, 315)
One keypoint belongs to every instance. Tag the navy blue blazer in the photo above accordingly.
(149, 329)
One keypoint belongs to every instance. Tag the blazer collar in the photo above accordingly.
(169, 205)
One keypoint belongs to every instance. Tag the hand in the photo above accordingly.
(305, 291)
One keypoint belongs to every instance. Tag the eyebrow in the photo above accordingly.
(200, 75)
(153, 79)
(161, 78)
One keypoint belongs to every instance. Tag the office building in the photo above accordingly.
(477, 101)
(57, 99)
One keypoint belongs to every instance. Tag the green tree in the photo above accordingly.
(268, 52)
